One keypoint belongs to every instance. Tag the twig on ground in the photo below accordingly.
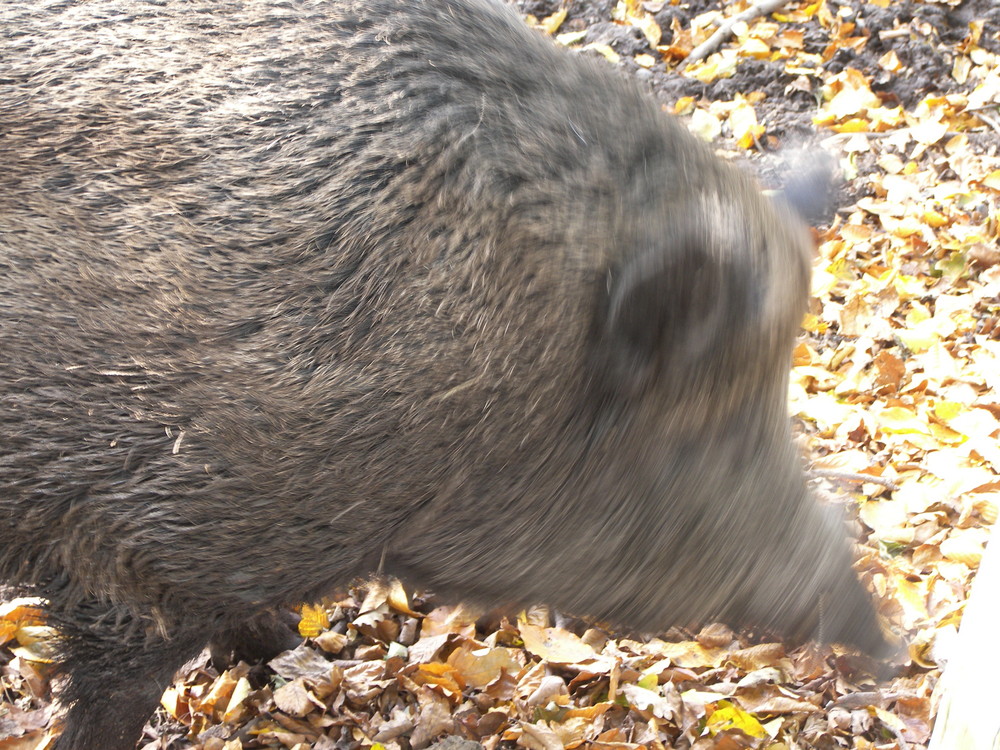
(850, 476)
(988, 120)
(725, 30)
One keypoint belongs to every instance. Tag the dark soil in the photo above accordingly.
(923, 35)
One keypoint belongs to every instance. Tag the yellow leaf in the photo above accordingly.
(606, 51)
(645, 61)
(948, 410)
(397, 598)
(919, 338)
(965, 546)
(755, 48)
(947, 435)
(571, 37)
(935, 219)
(824, 409)
(813, 324)
(888, 519)
(909, 287)
(551, 24)
(976, 423)
(854, 125)
(729, 716)
(648, 682)
(901, 421)
(929, 132)
(314, 620)
(890, 62)
(649, 28)
(913, 597)
(824, 119)
(720, 65)
(234, 708)
(743, 121)
(891, 720)
(705, 125)
(992, 180)
(171, 701)
(852, 95)
(684, 105)
(885, 118)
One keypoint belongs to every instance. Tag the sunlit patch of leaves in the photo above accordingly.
(384, 674)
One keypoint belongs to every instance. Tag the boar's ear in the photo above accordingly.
(670, 313)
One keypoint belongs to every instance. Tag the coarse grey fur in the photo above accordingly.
(289, 288)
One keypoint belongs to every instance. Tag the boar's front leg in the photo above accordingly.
(254, 639)
(116, 669)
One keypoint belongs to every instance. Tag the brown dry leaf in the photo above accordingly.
(398, 600)
(529, 680)
(294, 699)
(224, 696)
(758, 657)
(302, 662)
(715, 635)
(459, 619)
(689, 653)
(555, 644)
(769, 699)
(891, 371)
(965, 546)
(539, 737)
(479, 667)
(427, 648)
(651, 702)
(364, 681)
(236, 709)
(331, 642)
(443, 676)
(434, 717)
(36, 740)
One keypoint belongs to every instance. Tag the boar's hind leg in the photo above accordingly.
(116, 670)
(257, 639)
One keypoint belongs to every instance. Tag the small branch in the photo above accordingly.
(834, 139)
(902, 31)
(850, 476)
(725, 30)
(988, 120)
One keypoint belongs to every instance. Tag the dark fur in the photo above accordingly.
(286, 290)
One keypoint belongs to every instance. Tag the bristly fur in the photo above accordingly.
(290, 287)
